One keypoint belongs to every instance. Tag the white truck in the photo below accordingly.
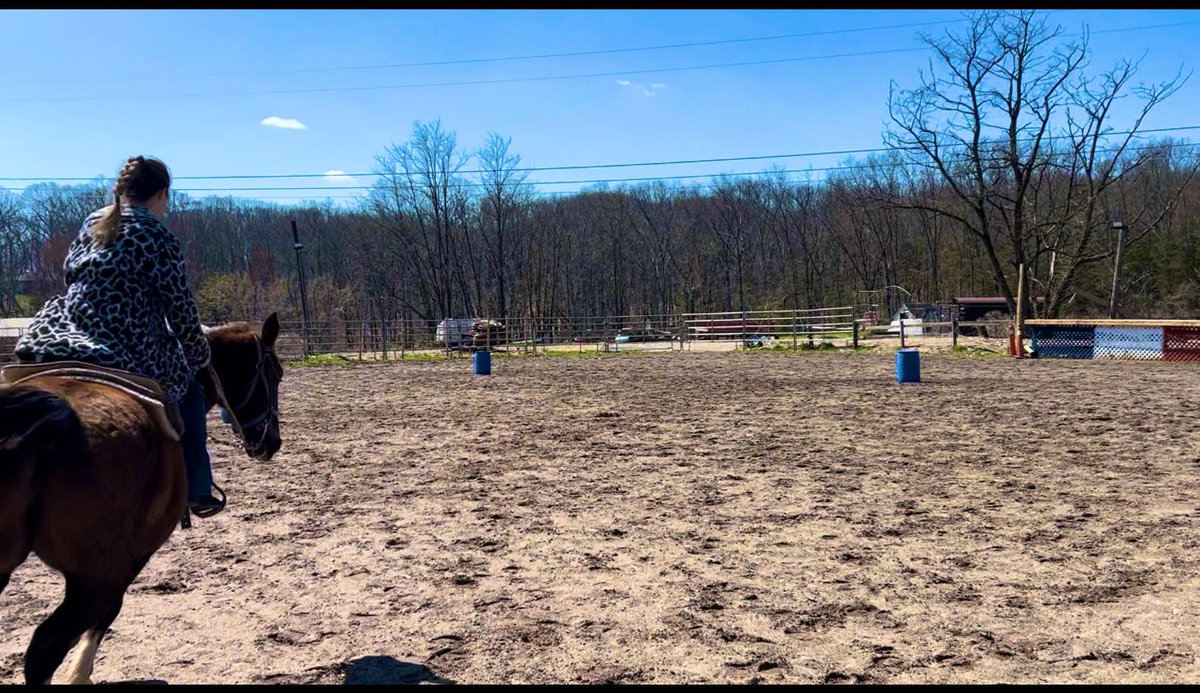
(454, 332)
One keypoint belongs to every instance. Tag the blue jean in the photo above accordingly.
(195, 440)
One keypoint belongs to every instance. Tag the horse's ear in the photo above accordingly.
(270, 329)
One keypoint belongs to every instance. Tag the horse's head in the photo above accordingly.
(249, 373)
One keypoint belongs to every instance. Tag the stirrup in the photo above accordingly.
(209, 512)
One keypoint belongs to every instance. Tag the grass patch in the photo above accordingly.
(424, 356)
(320, 360)
(977, 352)
(592, 353)
(801, 347)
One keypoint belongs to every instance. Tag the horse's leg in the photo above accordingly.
(80, 670)
(86, 603)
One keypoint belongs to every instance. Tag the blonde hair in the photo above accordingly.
(140, 179)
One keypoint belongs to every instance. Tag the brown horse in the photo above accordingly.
(91, 484)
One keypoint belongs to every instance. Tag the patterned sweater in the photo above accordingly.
(127, 306)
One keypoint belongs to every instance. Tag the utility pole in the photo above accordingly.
(298, 246)
(1116, 289)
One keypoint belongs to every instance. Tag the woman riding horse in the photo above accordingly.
(93, 485)
(89, 481)
(128, 306)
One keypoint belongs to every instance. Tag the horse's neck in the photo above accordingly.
(212, 396)
(211, 399)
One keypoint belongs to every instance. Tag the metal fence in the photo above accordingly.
(1166, 340)
(385, 339)
(773, 327)
(995, 329)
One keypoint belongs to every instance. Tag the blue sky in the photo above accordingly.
(82, 90)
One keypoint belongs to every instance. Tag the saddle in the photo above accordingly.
(145, 390)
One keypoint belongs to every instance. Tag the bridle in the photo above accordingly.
(266, 359)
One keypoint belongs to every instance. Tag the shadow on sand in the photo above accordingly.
(389, 670)
(372, 670)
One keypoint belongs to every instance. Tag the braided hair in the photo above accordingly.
(140, 179)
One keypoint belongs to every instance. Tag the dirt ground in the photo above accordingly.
(695, 517)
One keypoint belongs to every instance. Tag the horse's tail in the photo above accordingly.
(28, 414)
(30, 419)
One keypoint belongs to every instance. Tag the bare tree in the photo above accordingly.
(420, 201)
(504, 201)
(984, 122)
(16, 250)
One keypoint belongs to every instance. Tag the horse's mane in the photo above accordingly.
(231, 332)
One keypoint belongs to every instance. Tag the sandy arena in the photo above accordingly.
(695, 517)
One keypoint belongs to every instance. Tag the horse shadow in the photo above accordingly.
(377, 669)
(371, 670)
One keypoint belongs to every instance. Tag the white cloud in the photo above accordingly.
(285, 123)
(647, 89)
(338, 177)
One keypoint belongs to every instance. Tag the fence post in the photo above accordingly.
(854, 330)
(901, 333)
(1020, 323)
(793, 329)
(953, 330)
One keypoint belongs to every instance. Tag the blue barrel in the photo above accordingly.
(483, 363)
(908, 366)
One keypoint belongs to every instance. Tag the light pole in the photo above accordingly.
(1116, 291)
(298, 246)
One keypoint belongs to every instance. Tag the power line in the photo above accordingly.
(530, 169)
(586, 167)
(515, 170)
(511, 80)
(767, 172)
(531, 184)
(364, 197)
(474, 82)
(539, 56)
